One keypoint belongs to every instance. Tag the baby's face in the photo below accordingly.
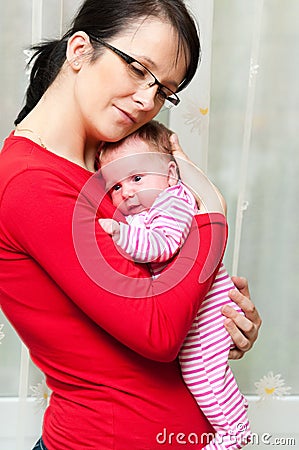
(135, 175)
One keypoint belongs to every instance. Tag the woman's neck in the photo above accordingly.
(53, 124)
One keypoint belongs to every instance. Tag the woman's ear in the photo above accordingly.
(77, 47)
(172, 174)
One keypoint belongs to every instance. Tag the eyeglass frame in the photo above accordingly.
(129, 60)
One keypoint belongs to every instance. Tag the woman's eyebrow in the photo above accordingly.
(146, 59)
(153, 67)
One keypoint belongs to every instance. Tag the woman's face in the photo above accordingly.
(110, 103)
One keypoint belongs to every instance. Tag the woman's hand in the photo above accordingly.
(243, 329)
(177, 150)
(208, 197)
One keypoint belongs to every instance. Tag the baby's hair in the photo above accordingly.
(153, 133)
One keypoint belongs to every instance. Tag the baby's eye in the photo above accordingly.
(137, 178)
(116, 187)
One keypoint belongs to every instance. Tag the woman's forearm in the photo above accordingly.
(209, 198)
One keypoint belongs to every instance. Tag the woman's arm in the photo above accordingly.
(242, 328)
(47, 221)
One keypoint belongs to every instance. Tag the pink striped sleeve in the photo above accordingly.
(155, 236)
(205, 369)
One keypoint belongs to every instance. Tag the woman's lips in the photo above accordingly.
(126, 116)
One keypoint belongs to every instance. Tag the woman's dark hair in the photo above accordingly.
(106, 19)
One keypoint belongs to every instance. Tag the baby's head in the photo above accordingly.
(139, 167)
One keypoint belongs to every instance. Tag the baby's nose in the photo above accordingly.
(127, 192)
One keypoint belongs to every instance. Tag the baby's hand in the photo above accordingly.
(110, 226)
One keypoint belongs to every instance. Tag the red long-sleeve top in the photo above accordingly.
(104, 333)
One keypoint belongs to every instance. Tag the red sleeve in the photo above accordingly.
(44, 218)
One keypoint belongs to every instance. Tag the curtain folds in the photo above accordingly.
(246, 45)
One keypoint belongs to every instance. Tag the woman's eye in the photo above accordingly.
(161, 94)
(116, 187)
(137, 70)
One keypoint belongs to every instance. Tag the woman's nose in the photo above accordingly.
(145, 97)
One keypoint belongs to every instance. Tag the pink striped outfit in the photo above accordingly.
(154, 237)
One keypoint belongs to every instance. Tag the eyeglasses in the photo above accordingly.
(142, 76)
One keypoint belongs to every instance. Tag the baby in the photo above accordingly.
(142, 177)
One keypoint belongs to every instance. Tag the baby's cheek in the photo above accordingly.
(148, 196)
(115, 198)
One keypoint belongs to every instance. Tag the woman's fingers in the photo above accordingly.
(242, 298)
(243, 329)
(177, 150)
(235, 353)
(241, 284)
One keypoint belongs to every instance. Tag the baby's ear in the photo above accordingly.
(172, 174)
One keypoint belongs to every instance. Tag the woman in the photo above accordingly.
(107, 345)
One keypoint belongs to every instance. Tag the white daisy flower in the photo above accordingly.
(2, 335)
(271, 386)
(195, 116)
(41, 392)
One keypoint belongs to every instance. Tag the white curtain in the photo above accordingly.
(252, 149)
